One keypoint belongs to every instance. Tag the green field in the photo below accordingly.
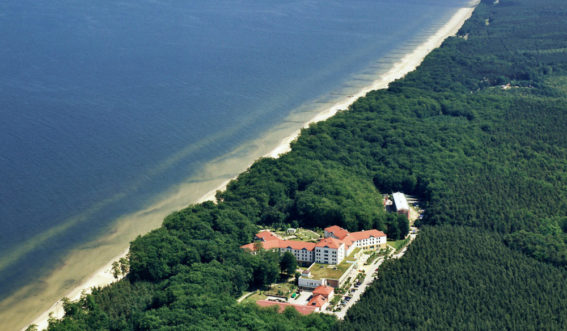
(254, 297)
(300, 235)
(307, 235)
(319, 270)
(398, 244)
(281, 289)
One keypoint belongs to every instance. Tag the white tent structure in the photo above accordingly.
(400, 202)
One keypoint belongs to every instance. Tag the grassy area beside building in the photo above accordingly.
(281, 289)
(330, 271)
(398, 244)
(254, 297)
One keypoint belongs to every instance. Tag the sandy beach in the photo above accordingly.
(218, 173)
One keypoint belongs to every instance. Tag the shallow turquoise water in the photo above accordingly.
(97, 98)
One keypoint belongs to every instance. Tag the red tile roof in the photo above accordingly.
(248, 246)
(297, 245)
(272, 244)
(323, 290)
(303, 310)
(278, 243)
(348, 241)
(266, 235)
(337, 231)
(317, 301)
(360, 235)
(271, 241)
(329, 242)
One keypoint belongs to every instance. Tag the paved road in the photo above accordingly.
(244, 296)
(369, 270)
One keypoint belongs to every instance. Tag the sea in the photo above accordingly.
(107, 106)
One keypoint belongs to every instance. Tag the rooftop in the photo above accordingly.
(270, 244)
(297, 245)
(320, 270)
(303, 310)
(269, 240)
(360, 235)
(317, 301)
(337, 231)
(400, 201)
(323, 290)
(266, 235)
(329, 242)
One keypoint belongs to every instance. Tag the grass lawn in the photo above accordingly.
(281, 289)
(558, 82)
(319, 270)
(307, 235)
(398, 244)
(254, 297)
(300, 235)
(372, 257)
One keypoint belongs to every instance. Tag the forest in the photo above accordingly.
(477, 133)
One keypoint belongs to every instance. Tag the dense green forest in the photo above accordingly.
(478, 133)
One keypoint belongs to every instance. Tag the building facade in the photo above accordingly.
(337, 244)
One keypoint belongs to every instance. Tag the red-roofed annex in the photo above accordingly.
(303, 310)
(325, 291)
(318, 301)
(335, 231)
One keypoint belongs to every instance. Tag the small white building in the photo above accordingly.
(305, 282)
(401, 203)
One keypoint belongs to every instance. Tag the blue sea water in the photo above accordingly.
(98, 99)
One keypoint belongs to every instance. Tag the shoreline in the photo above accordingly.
(408, 63)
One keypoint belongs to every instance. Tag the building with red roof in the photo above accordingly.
(337, 244)
(325, 291)
(330, 243)
(303, 251)
(318, 301)
(303, 310)
(329, 251)
(336, 232)
(266, 235)
(366, 239)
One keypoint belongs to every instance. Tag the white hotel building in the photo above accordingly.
(337, 244)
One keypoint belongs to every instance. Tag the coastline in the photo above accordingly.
(409, 62)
